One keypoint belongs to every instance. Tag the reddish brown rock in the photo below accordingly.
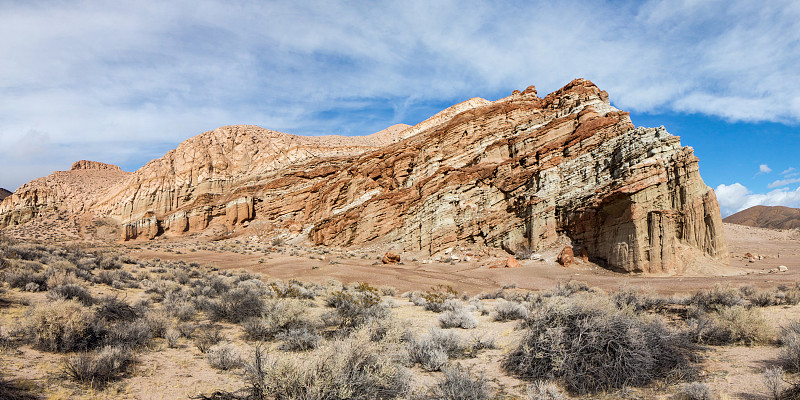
(390, 258)
(566, 256)
(512, 262)
(519, 172)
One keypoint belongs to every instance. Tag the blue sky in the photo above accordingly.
(124, 82)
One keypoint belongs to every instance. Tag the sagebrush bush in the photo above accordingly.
(433, 351)
(61, 325)
(509, 311)
(207, 337)
(695, 391)
(239, 304)
(592, 346)
(732, 325)
(299, 339)
(459, 384)
(280, 315)
(458, 318)
(351, 368)
(354, 309)
(637, 300)
(789, 339)
(544, 390)
(70, 291)
(15, 390)
(224, 356)
(100, 367)
(717, 298)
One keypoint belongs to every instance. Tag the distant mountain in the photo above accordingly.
(772, 217)
(4, 193)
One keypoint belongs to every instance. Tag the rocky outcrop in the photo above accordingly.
(74, 191)
(522, 172)
(85, 164)
(4, 193)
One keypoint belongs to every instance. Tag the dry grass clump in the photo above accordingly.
(70, 291)
(732, 325)
(15, 390)
(592, 346)
(61, 326)
(789, 339)
(354, 308)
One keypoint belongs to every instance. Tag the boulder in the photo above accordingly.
(512, 262)
(566, 256)
(390, 258)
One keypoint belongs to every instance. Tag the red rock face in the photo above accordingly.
(522, 171)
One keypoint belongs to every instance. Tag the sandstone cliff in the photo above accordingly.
(73, 191)
(522, 171)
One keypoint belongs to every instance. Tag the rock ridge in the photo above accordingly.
(519, 172)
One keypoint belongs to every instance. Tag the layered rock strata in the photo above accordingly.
(520, 172)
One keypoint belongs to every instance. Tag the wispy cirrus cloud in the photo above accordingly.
(109, 80)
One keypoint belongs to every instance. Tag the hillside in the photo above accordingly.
(4, 193)
(522, 173)
(772, 217)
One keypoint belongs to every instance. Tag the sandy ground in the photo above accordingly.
(474, 276)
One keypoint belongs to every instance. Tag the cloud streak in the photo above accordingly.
(736, 197)
(109, 79)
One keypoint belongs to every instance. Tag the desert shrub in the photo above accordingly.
(354, 309)
(436, 299)
(172, 336)
(112, 308)
(16, 390)
(159, 322)
(544, 390)
(70, 291)
(238, 304)
(508, 311)
(732, 325)
(61, 325)
(280, 315)
(763, 298)
(434, 350)
(637, 300)
(789, 339)
(100, 367)
(224, 356)
(458, 318)
(351, 368)
(61, 273)
(208, 336)
(298, 339)
(772, 378)
(717, 298)
(131, 334)
(459, 384)
(695, 391)
(591, 346)
(570, 288)
(23, 273)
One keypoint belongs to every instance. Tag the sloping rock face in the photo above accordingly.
(4, 193)
(74, 191)
(522, 171)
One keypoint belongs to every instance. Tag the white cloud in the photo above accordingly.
(764, 169)
(783, 182)
(736, 197)
(789, 171)
(128, 74)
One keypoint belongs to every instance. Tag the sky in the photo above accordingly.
(124, 82)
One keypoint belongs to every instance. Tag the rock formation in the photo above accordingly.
(519, 172)
(74, 191)
(4, 193)
(771, 217)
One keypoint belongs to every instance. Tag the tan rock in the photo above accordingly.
(566, 257)
(519, 172)
(390, 258)
(512, 262)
